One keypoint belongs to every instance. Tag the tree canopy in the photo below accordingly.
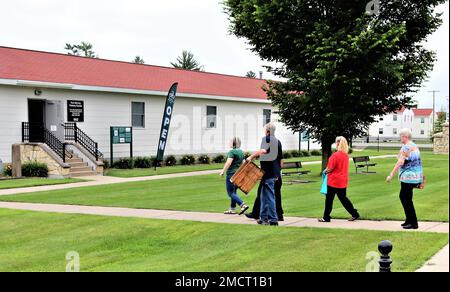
(187, 61)
(84, 49)
(250, 74)
(138, 60)
(344, 62)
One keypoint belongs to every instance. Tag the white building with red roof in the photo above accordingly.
(55, 89)
(420, 121)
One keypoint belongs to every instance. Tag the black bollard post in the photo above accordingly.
(385, 248)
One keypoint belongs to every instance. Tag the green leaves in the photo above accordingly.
(187, 62)
(351, 66)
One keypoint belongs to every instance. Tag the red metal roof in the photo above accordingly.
(422, 112)
(30, 65)
(418, 111)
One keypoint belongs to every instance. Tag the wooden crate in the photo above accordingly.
(247, 177)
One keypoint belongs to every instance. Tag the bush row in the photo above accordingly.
(148, 162)
(304, 153)
(29, 169)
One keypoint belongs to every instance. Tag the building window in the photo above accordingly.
(267, 116)
(138, 114)
(422, 120)
(422, 132)
(211, 117)
(395, 118)
(394, 131)
(381, 131)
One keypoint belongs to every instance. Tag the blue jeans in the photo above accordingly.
(268, 202)
(232, 193)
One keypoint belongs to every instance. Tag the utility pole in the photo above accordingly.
(434, 106)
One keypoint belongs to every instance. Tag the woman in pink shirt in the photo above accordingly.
(337, 170)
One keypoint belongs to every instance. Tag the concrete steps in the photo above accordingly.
(82, 173)
(74, 159)
(79, 168)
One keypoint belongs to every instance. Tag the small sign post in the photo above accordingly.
(121, 135)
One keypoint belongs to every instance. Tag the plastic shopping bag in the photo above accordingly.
(324, 188)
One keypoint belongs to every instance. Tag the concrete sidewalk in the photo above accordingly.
(437, 227)
(106, 180)
(438, 263)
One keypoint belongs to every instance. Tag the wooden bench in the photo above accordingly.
(363, 162)
(297, 169)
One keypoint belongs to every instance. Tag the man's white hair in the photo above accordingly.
(406, 132)
(271, 128)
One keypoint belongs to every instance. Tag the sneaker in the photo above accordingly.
(250, 216)
(281, 218)
(273, 223)
(404, 224)
(410, 227)
(230, 212)
(244, 209)
(261, 222)
(324, 220)
(354, 218)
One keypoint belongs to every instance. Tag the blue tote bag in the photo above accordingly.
(324, 188)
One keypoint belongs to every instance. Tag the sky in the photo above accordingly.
(158, 31)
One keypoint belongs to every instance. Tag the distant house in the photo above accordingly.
(420, 121)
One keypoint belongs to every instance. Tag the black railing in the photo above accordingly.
(55, 144)
(35, 132)
(25, 132)
(73, 133)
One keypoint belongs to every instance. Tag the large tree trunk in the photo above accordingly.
(326, 152)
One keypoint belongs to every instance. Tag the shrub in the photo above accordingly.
(170, 161)
(295, 153)
(7, 171)
(105, 164)
(124, 163)
(316, 153)
(219, 158)
(154, 162)
(204, 159)
(287, 155)
(305, 153)
(187, 160)
(34, 169)
(142, 162)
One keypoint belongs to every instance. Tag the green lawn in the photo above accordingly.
(140, 172)
(34, 182)
(374, 198)
(33, 241)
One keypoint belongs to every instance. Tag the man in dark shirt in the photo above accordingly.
(272, 172)
(278, 185)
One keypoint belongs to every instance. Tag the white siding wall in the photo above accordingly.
(188, 133)
(427, 127)
(406, 119)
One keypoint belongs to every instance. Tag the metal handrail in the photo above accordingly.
(48, 138)
(73, 133)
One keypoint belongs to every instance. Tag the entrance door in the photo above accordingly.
(36, 119)
(54, 118)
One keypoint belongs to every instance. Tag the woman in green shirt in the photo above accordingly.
(234, 160)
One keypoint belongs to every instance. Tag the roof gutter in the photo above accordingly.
(40, 84)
